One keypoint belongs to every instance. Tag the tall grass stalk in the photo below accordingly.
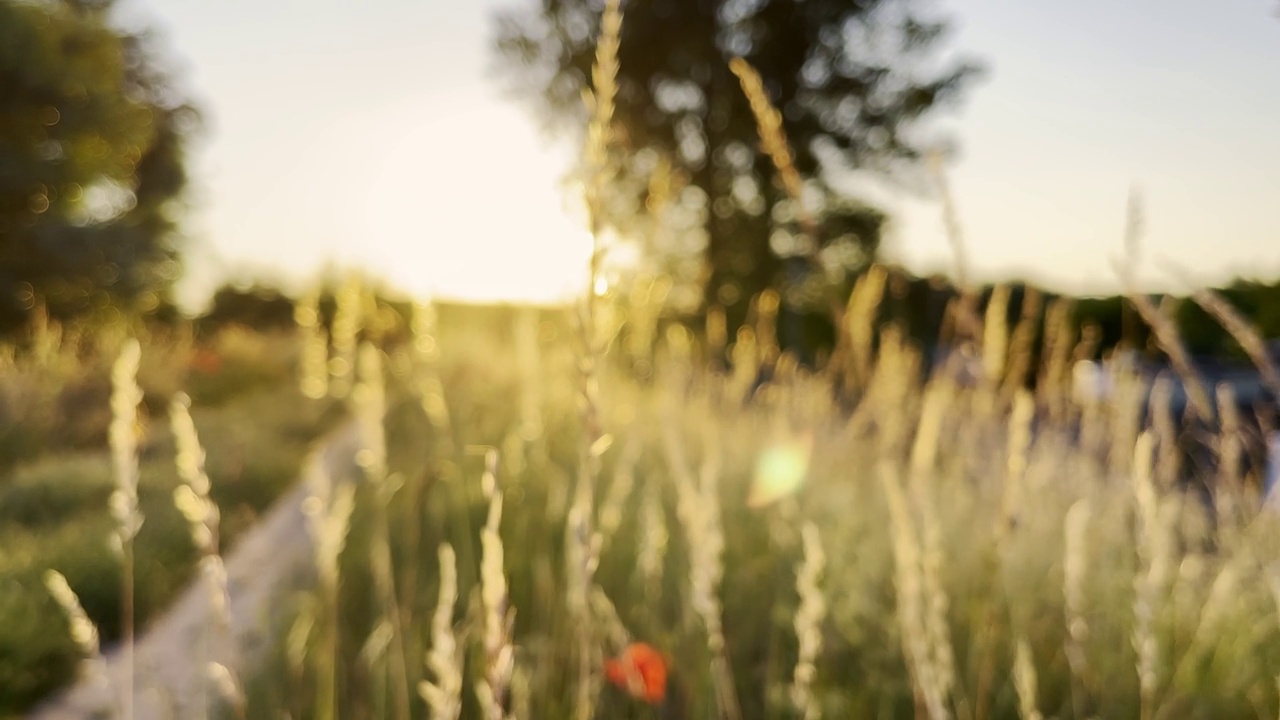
(347, 314)
(369, 399)
(932, 683)
(1156, 557)
(83, 632)
(968, 325)
(1243, 332)
(808, 623)
(582, 541)
(328, 511)
(773, 138)
(443, 696)
(499, 617)
(1074, 563)
(313, 368)
(698, 507)
(203, 519)
(1163, 327)
(123, 432)
(1024, 681)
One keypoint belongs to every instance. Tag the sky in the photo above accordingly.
(374, 135)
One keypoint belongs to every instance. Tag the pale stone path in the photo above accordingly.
(269, 561)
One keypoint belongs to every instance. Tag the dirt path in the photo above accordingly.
(267, 562)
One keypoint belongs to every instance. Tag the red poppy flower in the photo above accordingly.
(206, 361)
(641, 671)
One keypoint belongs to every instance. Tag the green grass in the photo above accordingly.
(256, 429)
(991, 542)
(945, 537)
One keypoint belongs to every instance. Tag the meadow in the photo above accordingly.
(600, 513)
(876, 539)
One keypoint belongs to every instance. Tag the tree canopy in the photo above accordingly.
(855, 82)
(92, 139)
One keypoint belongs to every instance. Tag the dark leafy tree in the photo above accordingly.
(92, 148)
(855, 81)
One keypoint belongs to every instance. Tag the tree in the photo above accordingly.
(92, 141)
(855, 80)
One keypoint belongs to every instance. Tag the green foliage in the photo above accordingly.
(92, 142)
(689, 177)
(255, 427)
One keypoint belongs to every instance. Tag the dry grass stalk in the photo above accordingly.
(582, 557)
(582, 541)
(521, 692)
(445, 657)
(192, 496)
(698, 507)
(746, 359)
(937, 603)
(932, 683)
(995, 335)
(967, 323)
(1156, 564)
(1244, 333)
(1228, 496)
(499, 618)
(1223, 596)
(621, 490)
(651, 555)
(83, 632)
(934, 603)
(426, 356)
(227, 686)
(123, 434)
(772, 137)
(1021, 344)
(1167, 337)
(313, 365)
(370, 402)
(328, 512)
(766, 306)
(1074, 563)
(1024, 681)
(1018, 454)
(1164, 328)
(808, 623)
(860, 322)
(604, 81)
(1125, 422)
(1059, 338)
(939, 396)
(347, 317)
(1165, 427)
(717, 331)
(203, 519)
(773, 140)
(604, 609)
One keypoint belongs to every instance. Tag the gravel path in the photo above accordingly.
(267, 562)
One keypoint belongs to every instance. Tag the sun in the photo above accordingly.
(469, 205)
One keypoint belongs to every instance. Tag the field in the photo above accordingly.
(57, 475)
(600, 512)
(904, 544)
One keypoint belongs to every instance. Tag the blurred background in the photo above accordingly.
(260, 191)
(158, 150)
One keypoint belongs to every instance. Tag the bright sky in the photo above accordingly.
(371, 134)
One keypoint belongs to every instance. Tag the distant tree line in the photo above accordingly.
(922, 308)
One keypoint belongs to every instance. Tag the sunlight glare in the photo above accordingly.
(469, 206)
